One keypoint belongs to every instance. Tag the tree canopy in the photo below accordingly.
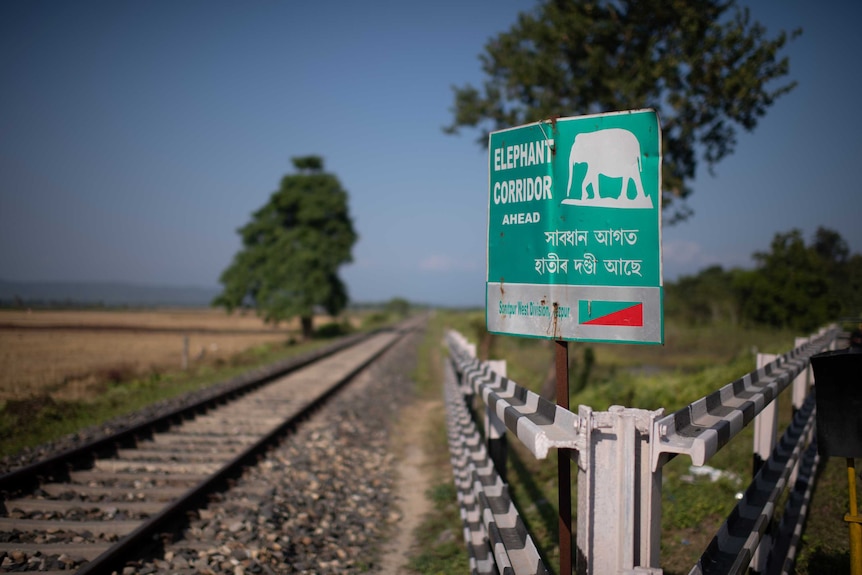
(292, 249)
(793, 285)
(702, 64)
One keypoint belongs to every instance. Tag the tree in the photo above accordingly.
(794, 285)
(398, 306)
(292, 249)
(700, 63)
(705, 298)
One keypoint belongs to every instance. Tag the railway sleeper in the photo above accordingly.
(64, 506)
(88, 551)
(119, 466)
(190, 455)
(118, 528)
(183, 440)
(135, 480)
(164, 493)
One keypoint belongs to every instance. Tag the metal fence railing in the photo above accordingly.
(620, 455)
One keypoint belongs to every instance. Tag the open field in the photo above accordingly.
(69, 355)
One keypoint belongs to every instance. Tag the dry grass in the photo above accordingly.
(73, 354)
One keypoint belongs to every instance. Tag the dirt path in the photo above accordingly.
(414, 479)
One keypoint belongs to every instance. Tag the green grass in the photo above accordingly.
(825, 546)
(440, 540)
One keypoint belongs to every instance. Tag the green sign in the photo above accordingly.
(574, 229)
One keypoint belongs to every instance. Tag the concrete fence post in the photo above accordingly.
(802, 381)
(185, 352)
(619, 497)
(765, 433)
(801, 386)
(765, 424)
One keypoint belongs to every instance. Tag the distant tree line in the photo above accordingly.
(794, 285)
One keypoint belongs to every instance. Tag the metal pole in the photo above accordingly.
(185, 352)
(855, 522)
(564, 467)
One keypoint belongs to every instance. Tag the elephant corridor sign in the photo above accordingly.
(574, 229)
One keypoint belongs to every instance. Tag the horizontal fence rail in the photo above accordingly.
(732, 550)
(496, 537)
(539, 424)
(701, 428)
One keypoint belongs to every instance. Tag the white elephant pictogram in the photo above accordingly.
(613, 152)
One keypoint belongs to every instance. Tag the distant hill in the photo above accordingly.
(109, 294)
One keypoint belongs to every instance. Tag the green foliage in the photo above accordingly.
(439, 539)
(311, 163)
(825, 546)
(332, 329)
(582, 377)
(398, 306)
(690, 505)
(705, 298)
(292, 249)
(793, 286)
(790, 286)
(702, 64)
(440, 545)
(375, 320)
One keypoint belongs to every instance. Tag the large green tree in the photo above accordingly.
(292, 249)
(702, 64)
(793, 285)
(704, 298)
(803, 286)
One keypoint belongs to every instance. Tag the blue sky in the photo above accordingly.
(136, 137)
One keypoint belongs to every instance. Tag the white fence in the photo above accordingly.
(620, 455)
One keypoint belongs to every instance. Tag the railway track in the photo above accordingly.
(143, 485)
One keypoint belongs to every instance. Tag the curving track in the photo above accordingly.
(95, 519)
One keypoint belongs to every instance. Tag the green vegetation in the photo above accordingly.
(333, 329)
(793, 285)
(292, 249)
(440, 540)
(702, 64)
(825, 541)
(35, 420)
(378, 315)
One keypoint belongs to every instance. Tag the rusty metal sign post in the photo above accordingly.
(564, 466)
(574, 243)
